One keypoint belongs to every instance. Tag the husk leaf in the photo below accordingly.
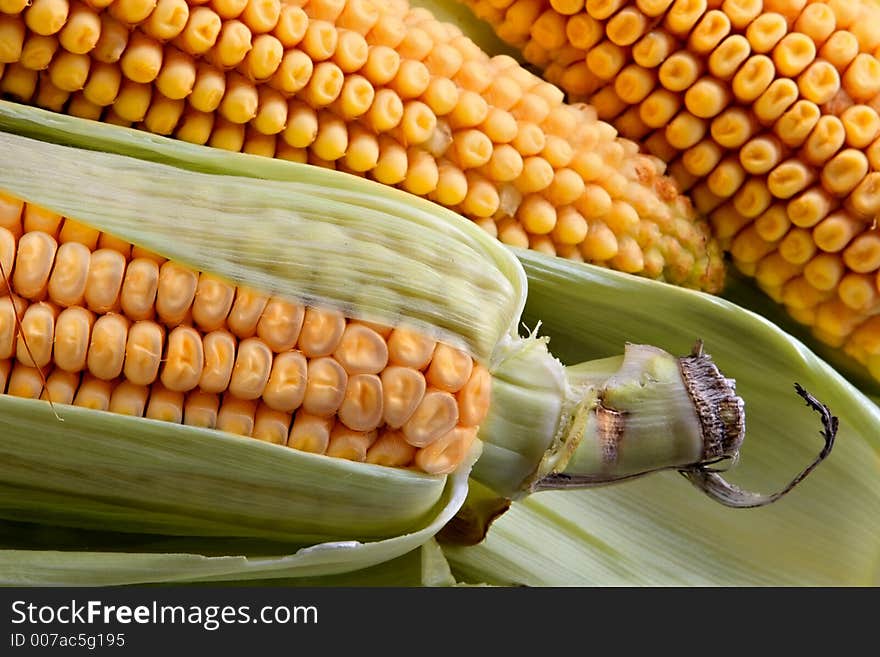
(658, 530)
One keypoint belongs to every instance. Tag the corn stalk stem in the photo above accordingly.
(623, 417)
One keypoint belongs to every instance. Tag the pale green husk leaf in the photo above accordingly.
(49, 556)
(102, 470)
(659, 530)
(300, 232)
(425, 565)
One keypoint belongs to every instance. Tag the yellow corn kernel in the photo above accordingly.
(861, 80)
(232, 45)
(167, 20)
(131, 12)
(36, 335)
(678, 72)
(37, 51)
(824, 271)
(164, 114)
(840, 49)
(361, 407)
(46, 17)
(794, 52)
(862, 255)
(765, 31)
(73, 328)
(753, 78)
(13, 7)
(864, 200)
(443, 455)
(436, 414)
(228, 8)
(707, 97)
(240, 99)
(165, 405)
(834, 232)
(39, 218)
(60, 388)
(810, 207)
(816, 21)
(81, 30)
(321, 332)
(281, 323)
(200, 32)
(324, 85)
(11, 307)
(291, 25)
(761, 154)
(132, 101)
(390, 449)
(450, 369)
(859, 291)
(726, 59)
(844, 171)
(270, 425)
(69, 71)
(34, 259)
(261, 15)
(129, 399)
(789, 178)
(685, 130)
(797, 247)
(264, 58)
(286, 387)
(293, 72)
(310, 433)
(106, 353)
(25, 382)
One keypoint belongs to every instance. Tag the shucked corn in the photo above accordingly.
(88, 320)
(374, 89)
(768, 113)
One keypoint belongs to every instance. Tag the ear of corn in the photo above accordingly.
(81, 440)
(381, 90)
(767, 114)
(320, 245)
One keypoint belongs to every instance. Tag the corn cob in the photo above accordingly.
(767, 113)
(379, 90)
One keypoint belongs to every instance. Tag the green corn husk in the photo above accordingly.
(425, 565)
(584, 310)
(654, 531)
